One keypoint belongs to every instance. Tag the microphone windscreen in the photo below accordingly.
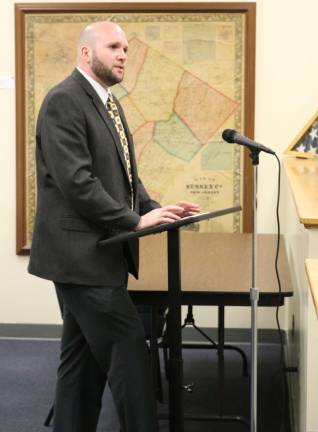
(228, 135)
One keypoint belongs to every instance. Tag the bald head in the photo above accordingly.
(102, 50)
(94, 32)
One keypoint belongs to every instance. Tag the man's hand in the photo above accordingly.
(168, 213)
(189, 208)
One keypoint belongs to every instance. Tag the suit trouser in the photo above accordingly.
(103, 339)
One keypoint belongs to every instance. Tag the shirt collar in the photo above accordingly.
(100, 90)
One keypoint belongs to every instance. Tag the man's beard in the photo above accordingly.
(102, 72)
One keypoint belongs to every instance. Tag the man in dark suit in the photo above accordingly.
(88, 188)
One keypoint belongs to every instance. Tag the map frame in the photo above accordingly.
(25, 105)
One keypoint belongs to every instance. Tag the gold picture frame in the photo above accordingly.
(305, 144)
(27, 95)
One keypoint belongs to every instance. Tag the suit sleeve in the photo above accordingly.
(66, 154)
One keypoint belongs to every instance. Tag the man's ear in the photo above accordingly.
(86, 54)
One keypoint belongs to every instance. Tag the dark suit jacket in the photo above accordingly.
(83, 191)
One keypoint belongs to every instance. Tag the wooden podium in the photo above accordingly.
(176, 415)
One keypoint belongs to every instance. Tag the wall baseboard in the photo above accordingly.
(238, 335)
(49, 331)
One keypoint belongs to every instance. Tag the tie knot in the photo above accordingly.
(110, 96)
(110, 104)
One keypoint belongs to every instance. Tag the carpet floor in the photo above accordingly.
(27, 381)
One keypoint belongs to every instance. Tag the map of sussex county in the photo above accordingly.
(184, 83)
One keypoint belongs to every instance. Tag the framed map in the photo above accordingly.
(305, 145)
(189, 75)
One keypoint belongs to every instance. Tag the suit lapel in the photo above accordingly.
(102, 111)
(109, 123)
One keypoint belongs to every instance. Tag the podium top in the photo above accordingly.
(129, 235)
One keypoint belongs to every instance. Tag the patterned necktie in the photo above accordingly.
(114, 114)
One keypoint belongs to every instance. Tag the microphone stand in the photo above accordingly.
(231, 136)
(254, 295)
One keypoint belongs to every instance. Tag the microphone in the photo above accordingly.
(231, 136)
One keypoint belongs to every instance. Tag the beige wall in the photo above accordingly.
(286, 97)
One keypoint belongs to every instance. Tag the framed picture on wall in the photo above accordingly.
(189, 75)
(305, 145)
